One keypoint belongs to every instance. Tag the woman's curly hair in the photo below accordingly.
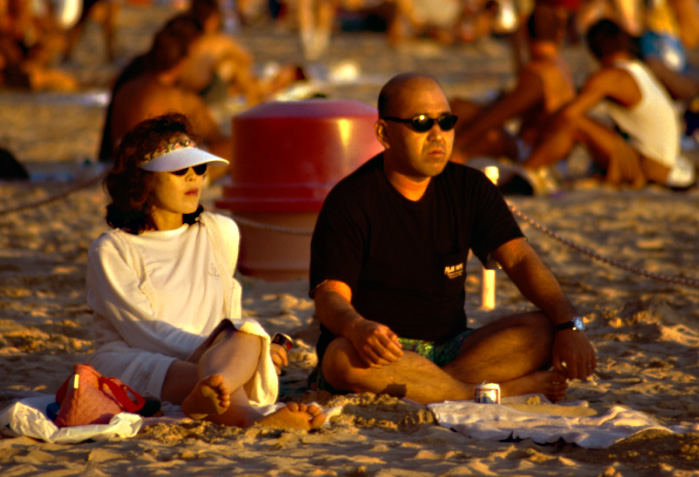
(129, 186)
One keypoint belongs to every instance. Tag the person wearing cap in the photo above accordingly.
(163, 279)
(388, 269)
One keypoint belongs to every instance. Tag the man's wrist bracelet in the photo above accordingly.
(575, 324)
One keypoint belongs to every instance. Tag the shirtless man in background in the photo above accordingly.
(155, 91)
(543, 85)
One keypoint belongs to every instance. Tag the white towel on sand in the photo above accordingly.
(499, 422)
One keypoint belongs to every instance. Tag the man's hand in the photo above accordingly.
(573, 354)
(279, 357)
(375, 343)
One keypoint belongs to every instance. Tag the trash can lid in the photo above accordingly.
(310, 108)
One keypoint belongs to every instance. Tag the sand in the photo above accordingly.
(646, 331)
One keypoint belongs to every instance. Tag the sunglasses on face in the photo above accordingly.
(423, 123)
(199, 170)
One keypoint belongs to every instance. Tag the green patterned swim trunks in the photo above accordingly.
(439, 353)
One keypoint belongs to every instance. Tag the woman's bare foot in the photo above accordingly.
(209, 396)
(295, 416)
(551, 384)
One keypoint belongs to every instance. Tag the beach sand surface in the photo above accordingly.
(645, 330)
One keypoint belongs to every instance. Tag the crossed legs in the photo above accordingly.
(214, 386)
(514, 351)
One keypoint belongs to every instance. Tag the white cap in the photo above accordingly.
(179, 154)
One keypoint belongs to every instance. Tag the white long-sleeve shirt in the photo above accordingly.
(164, 292)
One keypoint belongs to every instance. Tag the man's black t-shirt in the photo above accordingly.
(405, 261)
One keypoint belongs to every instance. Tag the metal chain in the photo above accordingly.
(271, 227)
(48, 200)
(690, 282)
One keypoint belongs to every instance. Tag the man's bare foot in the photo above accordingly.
(295, 416)
(551, 384)
(209, 396)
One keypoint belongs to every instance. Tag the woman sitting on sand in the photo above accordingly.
(163, 277)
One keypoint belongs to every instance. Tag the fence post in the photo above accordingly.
(488, 281)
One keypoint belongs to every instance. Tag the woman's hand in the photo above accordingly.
(279, 357)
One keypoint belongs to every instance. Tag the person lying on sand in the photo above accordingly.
(388, 269)
(163, 278)
(543, 85)
(648, 147)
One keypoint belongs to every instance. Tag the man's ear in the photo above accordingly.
(381, 135)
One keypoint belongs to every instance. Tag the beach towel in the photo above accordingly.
(518, 418)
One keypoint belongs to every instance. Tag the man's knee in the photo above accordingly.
(539, 319)
(534, 319)
(539, 322)
(532, 327)
(541, 329)
(339, 365)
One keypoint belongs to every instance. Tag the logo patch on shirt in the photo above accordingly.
(454, 271)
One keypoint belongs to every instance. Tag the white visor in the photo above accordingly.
(180, 158)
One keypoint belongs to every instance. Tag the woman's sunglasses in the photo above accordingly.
(199, 170)
(423, 123)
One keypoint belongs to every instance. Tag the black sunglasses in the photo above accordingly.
(423, 123)
(199, 170)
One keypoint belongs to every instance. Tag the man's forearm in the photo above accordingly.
(336, 313)
(534, 280)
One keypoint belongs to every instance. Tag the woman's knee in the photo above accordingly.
(179, 381)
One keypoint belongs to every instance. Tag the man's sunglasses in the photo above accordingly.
(199, 170)
(423, 123)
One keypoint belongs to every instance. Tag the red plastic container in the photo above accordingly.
(286, 158)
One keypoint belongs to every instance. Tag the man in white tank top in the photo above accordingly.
(647, 148)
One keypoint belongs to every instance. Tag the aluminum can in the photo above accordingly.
(283, 340)
(487, 393)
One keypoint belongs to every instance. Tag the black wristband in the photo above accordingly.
(576, 324)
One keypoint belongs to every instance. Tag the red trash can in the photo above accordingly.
(286, 158)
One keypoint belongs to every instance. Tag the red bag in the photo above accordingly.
(87, 397)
